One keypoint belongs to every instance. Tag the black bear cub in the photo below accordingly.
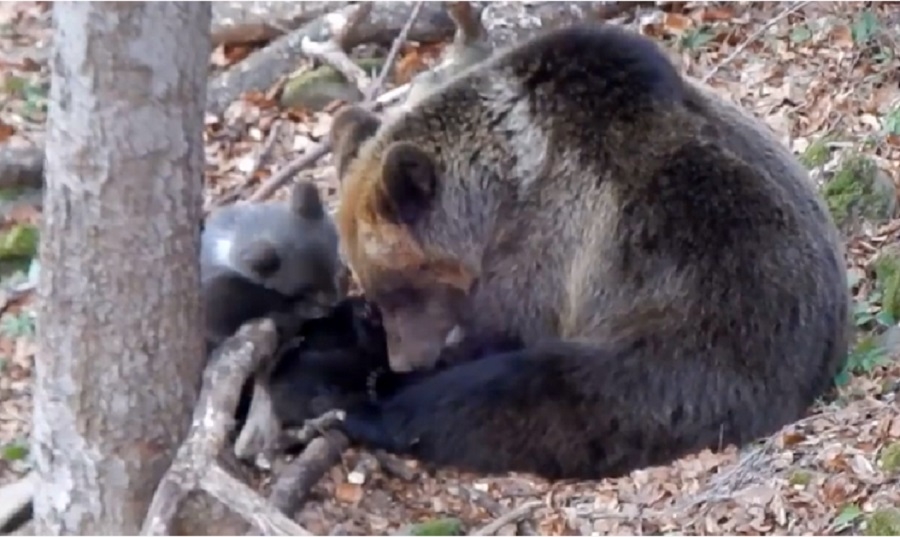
(331, 362)
(341, 360)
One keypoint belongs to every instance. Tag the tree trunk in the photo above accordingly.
(121, 349)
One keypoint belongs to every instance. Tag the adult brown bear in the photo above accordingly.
(672, 273)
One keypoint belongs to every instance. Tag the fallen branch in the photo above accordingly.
(259, 436)
(332, 51)
(366, 465)
(394, 466)
(470, 46)
(242, 23)
(291, 169)
(309, 158)
(314, 428)
(196, 463)
(261, 158)
(493, 507)
(753, 37)
(516, 515)
(391, 59)
(266, 517)
(261, 69)
(266, 149)
(391, 97)
(297, 479)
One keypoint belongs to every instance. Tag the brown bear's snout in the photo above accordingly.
(415, 341)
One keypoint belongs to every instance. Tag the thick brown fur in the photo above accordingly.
(673, 274)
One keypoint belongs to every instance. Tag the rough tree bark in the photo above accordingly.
(120, 358)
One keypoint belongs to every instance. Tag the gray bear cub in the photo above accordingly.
(275, 259)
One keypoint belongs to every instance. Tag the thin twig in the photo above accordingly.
(291, 169)
(266, 150)
(753, 37)
(391, 465)
(485, 501)
(309, 158)
(392, 54)
(333, 51)
(511, 517)
(314, 427)
(330, 52)
(261, 157)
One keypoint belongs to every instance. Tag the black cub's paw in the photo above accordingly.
(367, 425)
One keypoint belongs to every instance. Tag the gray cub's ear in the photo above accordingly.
(261, 257)
(306, 202)
(352, 126)
(409, 179)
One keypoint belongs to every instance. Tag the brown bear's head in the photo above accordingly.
(400, 242)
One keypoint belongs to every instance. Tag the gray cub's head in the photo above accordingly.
(289, 247)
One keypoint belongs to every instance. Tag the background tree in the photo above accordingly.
(121, 353)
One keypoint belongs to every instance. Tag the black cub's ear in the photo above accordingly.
(409, 176)
(352, 125)
(306, 202)
(261, 257)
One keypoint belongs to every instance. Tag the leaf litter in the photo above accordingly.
(822, 69)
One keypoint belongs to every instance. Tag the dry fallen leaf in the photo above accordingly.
(842, 36)
(6, 131)
(23, 213)
(236, 53)
(677, 23)
(348, 492)
(716, 14)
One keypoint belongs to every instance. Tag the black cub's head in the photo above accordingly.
(331, 362)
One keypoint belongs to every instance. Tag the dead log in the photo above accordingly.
(262, 69)
(242, 23)
(196, 466)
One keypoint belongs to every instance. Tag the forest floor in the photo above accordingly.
(824, 76)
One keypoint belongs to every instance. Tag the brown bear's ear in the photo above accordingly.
(261, 257)
(306, 202)
(409, 177)
(352, 125)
